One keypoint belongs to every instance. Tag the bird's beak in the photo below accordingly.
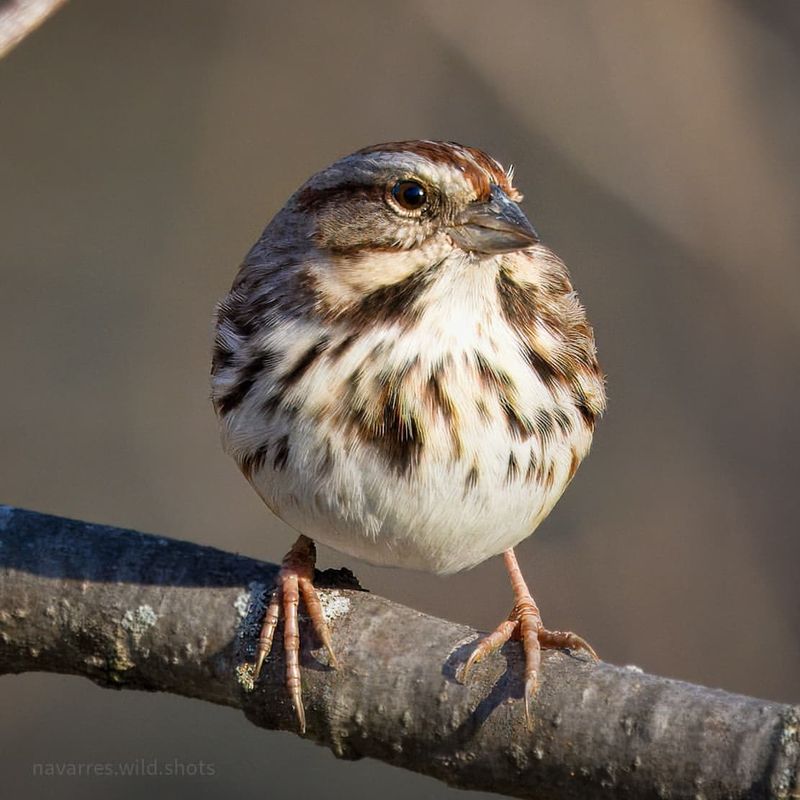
(496, 225)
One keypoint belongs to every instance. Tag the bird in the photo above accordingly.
(403, 371)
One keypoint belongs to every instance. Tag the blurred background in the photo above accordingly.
(144, 146)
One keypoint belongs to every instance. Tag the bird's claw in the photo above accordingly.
(525, 623)
(295, 579)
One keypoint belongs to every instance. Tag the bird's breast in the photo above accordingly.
(409, 447)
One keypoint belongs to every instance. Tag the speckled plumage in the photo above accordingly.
(416, 406)
(391, 391)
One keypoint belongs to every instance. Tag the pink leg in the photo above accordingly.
(296, 578)
(525, 623)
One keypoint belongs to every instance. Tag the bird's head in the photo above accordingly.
(377, 217)
(400, 195)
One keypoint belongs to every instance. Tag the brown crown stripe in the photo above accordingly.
(480, 169)
(259, 364)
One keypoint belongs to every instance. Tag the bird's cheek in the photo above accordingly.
(375, 269)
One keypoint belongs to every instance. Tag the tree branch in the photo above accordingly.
(133, 611)
(19, 18)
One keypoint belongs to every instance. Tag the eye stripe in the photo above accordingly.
(311, 198)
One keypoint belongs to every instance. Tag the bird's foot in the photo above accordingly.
(525, 623)
(295, 578)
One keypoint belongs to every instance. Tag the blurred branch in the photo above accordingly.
(133, 611)
(19, 18)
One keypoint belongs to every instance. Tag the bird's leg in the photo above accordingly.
(295, 579)
(525, 623)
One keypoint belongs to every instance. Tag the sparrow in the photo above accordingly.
(403, 372)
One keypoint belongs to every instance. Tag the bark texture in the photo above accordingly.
(128, 610)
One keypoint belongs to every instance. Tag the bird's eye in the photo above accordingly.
(409, 195)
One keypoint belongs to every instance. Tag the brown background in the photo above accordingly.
(144, 145)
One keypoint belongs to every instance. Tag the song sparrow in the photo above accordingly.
(403, 372)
